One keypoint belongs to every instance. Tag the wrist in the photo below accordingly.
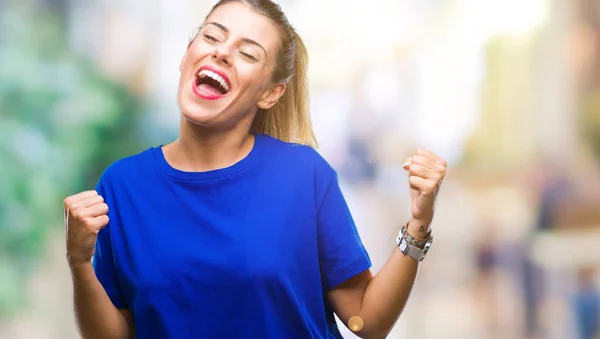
(414, 247)
(419, 229)
(78, 264)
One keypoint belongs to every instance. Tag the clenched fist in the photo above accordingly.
(426, 173)
(85, 216)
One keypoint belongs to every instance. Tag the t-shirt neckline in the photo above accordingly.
(241, 165)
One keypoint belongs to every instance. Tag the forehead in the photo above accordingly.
(242, 21)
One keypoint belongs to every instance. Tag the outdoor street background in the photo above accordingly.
(507, 91)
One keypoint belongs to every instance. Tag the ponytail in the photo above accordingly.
(289, 119)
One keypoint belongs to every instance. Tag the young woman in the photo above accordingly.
(237, 229)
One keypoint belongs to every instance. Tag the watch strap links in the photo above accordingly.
(416, 252)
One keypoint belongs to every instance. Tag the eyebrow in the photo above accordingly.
(247, 40)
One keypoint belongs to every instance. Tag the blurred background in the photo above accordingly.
(507, 91)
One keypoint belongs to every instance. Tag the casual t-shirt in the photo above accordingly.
(246, 251)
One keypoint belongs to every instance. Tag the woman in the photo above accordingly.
(232, 230)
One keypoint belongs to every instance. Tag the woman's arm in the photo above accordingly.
(378, 300)
(95, 313)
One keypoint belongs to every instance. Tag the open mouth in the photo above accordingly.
(212, 83)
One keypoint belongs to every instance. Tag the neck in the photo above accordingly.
(200, 149)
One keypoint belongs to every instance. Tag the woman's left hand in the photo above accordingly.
(426, 173)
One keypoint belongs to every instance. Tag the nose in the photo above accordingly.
(222, 54)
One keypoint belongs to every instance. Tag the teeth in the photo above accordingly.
(215, 76)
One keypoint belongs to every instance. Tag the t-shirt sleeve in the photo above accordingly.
(103, 260)
(341, 252)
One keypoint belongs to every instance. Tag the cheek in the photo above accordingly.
(254, 76)
(196, 50)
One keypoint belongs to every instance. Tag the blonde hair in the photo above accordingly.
(289, 119)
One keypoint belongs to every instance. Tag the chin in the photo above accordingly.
(201, 117)
(209, 113)
(198, 112)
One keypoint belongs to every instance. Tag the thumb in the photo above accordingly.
(407, 163)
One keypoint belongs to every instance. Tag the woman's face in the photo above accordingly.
(226, 71)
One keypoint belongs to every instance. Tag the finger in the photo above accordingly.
(429, 154)
(407, 163)
(79, 210)
(77, 197)
(88, 202)
(97, 210)
(424, 160)
(99, 222)
(416, 183)
(423, 172)
(422, 185)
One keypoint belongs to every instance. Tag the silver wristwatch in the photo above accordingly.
(412, 250)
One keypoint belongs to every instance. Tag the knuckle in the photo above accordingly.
(75, 212)
(79, 214)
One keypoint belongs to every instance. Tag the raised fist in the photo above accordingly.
(85, 216)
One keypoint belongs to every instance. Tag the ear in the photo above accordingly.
(270, 96)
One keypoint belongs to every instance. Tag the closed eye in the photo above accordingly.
(210, 38)
(249, 56)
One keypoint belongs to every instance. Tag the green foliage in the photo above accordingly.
(61, 123)
(590, 120)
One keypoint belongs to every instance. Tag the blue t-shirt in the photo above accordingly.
(247, 251)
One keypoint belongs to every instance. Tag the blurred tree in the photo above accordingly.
(590, 122)
(61, 123)
(588, 15)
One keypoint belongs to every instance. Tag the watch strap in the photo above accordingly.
(410, 250)
(420, 243)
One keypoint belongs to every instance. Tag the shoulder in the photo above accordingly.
(300, 164)
(297, 155)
